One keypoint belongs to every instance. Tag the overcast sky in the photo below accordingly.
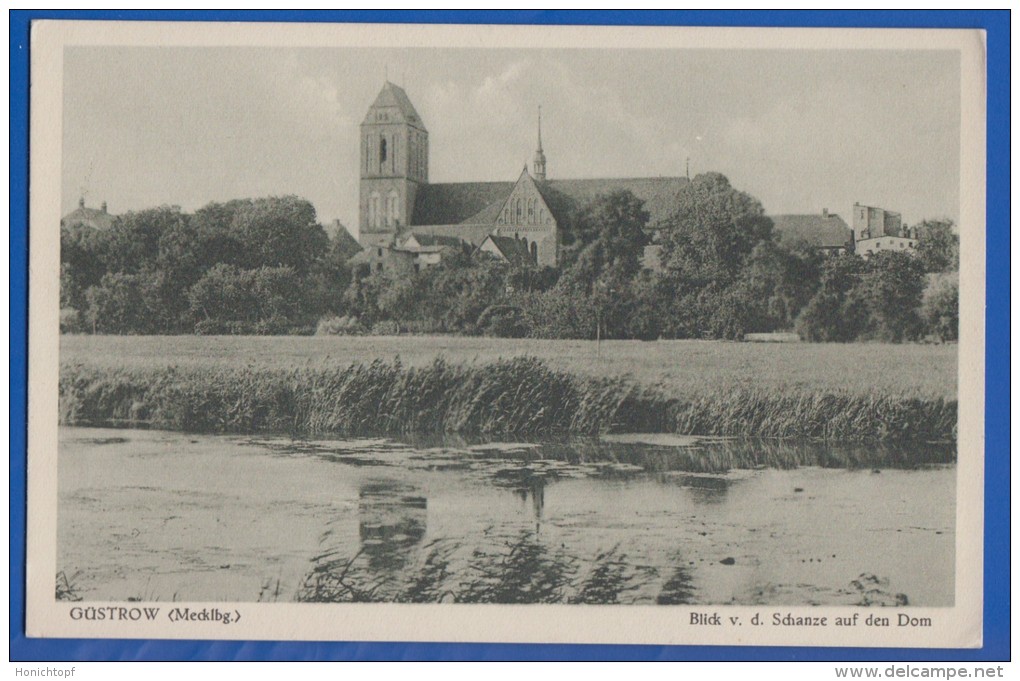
(799, 130)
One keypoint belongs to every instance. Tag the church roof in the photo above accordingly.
(428, 240)
(393, 97)
(658, 193)
(473, 233)
(478, 203)
(514, 251)
(820, 230)
(455, 202)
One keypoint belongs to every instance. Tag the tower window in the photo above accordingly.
(382, 152)
(373, 210)
(392, 208)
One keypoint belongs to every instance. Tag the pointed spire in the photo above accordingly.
(539, 162)
(540, 127)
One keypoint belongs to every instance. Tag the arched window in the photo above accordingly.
(382, 154)
(520, 211)
(531, 211)
(534, 251)
(373, 210)
(392, 208)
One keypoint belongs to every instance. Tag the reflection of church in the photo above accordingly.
(405, 222)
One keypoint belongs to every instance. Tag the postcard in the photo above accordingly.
(350, 332)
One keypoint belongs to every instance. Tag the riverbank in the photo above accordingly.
(517, 396)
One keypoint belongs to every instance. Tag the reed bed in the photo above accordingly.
(517, 396)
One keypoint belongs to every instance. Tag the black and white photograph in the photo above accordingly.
(655, 335)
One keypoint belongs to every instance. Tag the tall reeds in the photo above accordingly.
(519, 396)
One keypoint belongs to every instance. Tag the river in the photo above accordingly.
(152, 515)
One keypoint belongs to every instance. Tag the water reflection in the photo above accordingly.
(703, 489)
(657, 453)
(527, 484)
(643, 520)
(392, 519)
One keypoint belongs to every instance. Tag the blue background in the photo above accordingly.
(996, 564)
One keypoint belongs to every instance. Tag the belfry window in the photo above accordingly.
(382, 152)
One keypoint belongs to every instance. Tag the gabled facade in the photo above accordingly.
(526, 215)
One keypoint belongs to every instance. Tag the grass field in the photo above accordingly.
(675, 368)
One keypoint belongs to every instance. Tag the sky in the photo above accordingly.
(801, 130)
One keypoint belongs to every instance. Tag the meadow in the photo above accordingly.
(357, 386)
(674, 367)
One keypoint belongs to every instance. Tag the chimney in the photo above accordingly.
(825, 212)
(102, 206)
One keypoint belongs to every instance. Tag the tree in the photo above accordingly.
(134, 238)
(329, 276)
(774, 285)
(116, 305)
(617, 220)
(834, 313)
(611, 231)
(876, 298)
(279, 232)
(263, 300)
(940, 306)
(83, 262)
(710, 233)
(938, 247)
(892, 286)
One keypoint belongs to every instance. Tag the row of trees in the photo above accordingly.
(723, 274)
(246, 266)
(266, 266)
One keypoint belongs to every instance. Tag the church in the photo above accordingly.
(406, 222)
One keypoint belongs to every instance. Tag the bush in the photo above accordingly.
(503, 321)
(386, 327)
(339, 326)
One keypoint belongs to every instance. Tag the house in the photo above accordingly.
(877, 229)
(97, 218)
(826, 232)
(410, 252)
(397, 199)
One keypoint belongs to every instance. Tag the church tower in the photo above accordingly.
(539, 162)
(394, 165)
